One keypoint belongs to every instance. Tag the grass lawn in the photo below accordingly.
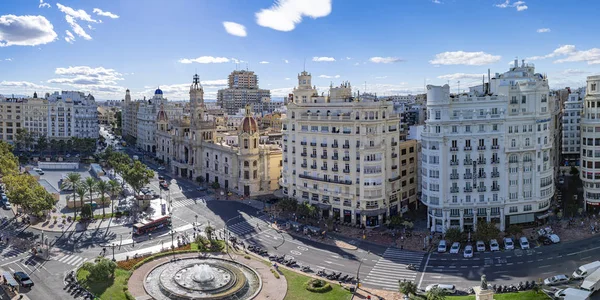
(111, 289)
(527, 295)
(296, 290)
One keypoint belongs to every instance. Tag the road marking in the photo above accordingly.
(302, 248)
(423, 273)
(546, 266)
(586, 250)
(586, 257)
(295, 252)
(329, 262)
(509, 264)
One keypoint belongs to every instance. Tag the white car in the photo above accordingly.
(508, 244)
(558, 279)
(554, 238)
(561, 180)
(455, 248)
(468, 251)
(524, 243)
(161, 168)
(494, 245)
(442, 246)
(448, 288)
(480, 246)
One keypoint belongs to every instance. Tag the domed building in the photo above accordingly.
(238, 161)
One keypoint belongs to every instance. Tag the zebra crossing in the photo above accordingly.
(245, 227)
(183, 202)
(391, 267)
(11, 253)
(70, 259)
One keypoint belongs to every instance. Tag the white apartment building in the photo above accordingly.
(571, 117)
(341, 153)
(486, 155)
(590, 143)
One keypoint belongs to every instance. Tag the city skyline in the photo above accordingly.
(392, 48)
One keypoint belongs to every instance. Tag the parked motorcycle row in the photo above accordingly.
(290, 262)
(76, 290)
(498, 289)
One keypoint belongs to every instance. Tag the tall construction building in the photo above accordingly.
(243, 89)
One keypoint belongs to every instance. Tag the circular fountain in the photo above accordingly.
(207, 279)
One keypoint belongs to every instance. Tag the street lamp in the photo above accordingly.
(358, 270)
(196, 224)
(226, 231)
(113, 250)
(172, 246)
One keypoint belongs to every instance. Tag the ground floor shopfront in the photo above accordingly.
(365, 217)
(467, 219)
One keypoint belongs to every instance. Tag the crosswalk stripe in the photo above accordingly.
(63, 258)
(77, 261)
(391, 267)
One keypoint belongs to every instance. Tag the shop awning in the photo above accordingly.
(540, 217)
(374, 212)
(322, 205)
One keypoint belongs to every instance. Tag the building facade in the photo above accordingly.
(486, 155)
(342, 154)
(571, 137)
(590, 142)
(242, 90)
(129, 116)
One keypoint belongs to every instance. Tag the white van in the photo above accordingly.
(448, 288)
(592, 282)
(572, 294)
(585, 270)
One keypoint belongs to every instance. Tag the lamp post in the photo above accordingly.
(358, 270)
(172, 246)
(113, 250)
(226, 233)
(196, 224)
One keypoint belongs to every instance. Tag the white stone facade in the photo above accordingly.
(590, 143)
(571, 137)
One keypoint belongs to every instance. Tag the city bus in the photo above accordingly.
(151, 225)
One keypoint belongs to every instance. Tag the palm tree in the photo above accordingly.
(209, 232)
(73, 180)
(115, 188)
(436, 294)
(407, 287)
(90, 184)
(102, 187)
(81, 191)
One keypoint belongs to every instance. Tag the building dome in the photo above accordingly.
(162, 115)
(158, 92)
(249, 125)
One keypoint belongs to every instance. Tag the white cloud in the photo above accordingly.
(574, 72)
(8, 59)
(76, 28)
(519, 5)
(543, 30)
(286, 61)
(43, 4)
(264, 62)
(357, 64)
(464, 58)
(90, 27)
(384, 60)
(328, 76)
(77, 14)
(25, 31)
(85, 75)
(348, 58)
(181, 91)
(235, 29)
(21, 86)
(284, 15)
(70, 37)
(571, 54)
(436, 1)
(207, 60)
(380, 77)
(105, 13)
(287, 78)
(323, 58)
(562, 50)
(459, 76)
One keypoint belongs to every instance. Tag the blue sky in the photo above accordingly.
(393, 46)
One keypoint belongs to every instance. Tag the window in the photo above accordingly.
(246, 164)
(245, 143)
(527, 207)
(523, 99)
(438, 115)
(468, 128)
(246, 174)
(454, 129)
(254, 174)
(513, 209)
(593, 87)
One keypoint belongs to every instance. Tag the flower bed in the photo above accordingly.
(318, 286)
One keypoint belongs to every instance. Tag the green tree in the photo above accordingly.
(209, 230)
(453, 234)
(574, 171)
(25, 191)
(23, 139)
(514, 230)
(137, 176)
(436, 294)
(486, 231)
(115, 189)
(215, 185)
(102, 187)
(407, 287)
(72, 181)
(41, 144)
(81, 191)
(86, 211)
(100, 271)
(90, 184)
(62, 146)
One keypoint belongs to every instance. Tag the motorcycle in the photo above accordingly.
(411, 267)
(344, 278)
(272, 257)
(306, 269)
(350, 279)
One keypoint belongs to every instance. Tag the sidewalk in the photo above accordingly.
(78, 226)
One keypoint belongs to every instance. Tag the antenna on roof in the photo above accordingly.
(304, 69)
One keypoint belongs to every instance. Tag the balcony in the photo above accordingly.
(495, 161)
(454, 162)
(314, 167)
(480, 148)
(394, 144)
(495, 174)
(467, 189)
(313, 155)
(394, 167)
(454, 176)
(303, 143)
(323, 144)
(285, 160)
(304, 154)
(468, 176)
(468, 148)
(481, 189)
(453, 149)
(334, 145)
(324, 156)
(394, 178)
(495, 188)
(314, 144)
(346, 171)
(335, 157)
(304, 165)
(346, 158)
(285, 150)
(293, 151)
(346, 146)
(324, 168)
(468, 162)
(334, 169)
(495, 147)
(454, 189)
(394, 155)
(481, 161)
(481, 175)
(325, 180)
(358, 170)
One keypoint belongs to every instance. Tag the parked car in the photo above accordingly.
(455, 248)
(468, 251)
(161, 168)
(544, 240)
(524, 243)
(558, 279)
(164, 184)
(508, 244)
(494, 245)
(561, 180)
(201, 189)
(480, 246)
(554, 238)
(160, 177)
(442, 246)
(23, 279)
(6, 205)
(448, 288)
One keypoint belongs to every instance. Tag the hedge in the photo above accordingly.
(318, 286)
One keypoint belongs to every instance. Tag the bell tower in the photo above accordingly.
(196, 101)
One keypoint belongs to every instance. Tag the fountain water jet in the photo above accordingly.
(203, 273)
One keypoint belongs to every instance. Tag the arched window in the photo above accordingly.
(246, 164)
(513, 159)
(245, 143)
(255, 143)
(255, 163)
(527, 142)
(513, 143)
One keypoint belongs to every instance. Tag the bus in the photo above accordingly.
(151, 225)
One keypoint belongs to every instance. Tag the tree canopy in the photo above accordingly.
(137, 175)
(102, 270)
